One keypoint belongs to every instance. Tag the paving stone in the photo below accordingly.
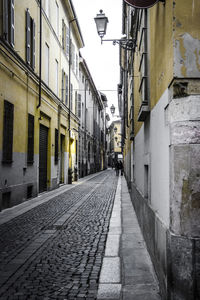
(110, 272)
(109, 291)
(65, 259)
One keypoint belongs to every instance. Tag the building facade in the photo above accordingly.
(92, 130)
(159, 96)
(40, 106)
(115, 142)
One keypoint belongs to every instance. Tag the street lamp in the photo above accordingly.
(101, 22)
(112, 109)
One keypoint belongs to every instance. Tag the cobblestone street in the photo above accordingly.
(55, 250)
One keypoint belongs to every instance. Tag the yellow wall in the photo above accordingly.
(160, 49)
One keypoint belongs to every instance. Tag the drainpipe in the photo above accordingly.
(40, 56)
(69, 88)
(85, 122)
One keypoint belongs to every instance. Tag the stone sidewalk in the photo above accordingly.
(127, 272)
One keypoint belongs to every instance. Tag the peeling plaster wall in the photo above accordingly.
(186, 56)
(186, 38)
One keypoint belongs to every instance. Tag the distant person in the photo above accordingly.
(117, 168)
(121, 167)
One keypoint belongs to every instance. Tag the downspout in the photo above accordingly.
(40, 57)
(85, 123)
(69, 88)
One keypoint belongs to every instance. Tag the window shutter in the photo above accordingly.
(76, 103)
(30, 154)
(71, 97)
(67, 41)
(28, 58)
(8, 132)
(63, 78)
(63, 35)
(73, 57)
(5, 19)
(66, 90)
(33, 44)
(12, 25)
(79, 105)
(56, 146)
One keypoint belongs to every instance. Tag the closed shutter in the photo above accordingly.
(30, 154)
(66, 90)
(71, 97)
(79, 105)
(67, 41)
(12, 23)
(63, 78)
(8, 132)
(28, 38)
(43, 158)
(5, 19)
(76, 104)
(56, 146)
(33, 44)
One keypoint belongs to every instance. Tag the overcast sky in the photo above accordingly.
(102, 60)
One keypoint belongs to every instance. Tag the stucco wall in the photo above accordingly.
(152, 149)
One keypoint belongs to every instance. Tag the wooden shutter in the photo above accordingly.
(56, 146)
(5, 19)
(67, 41)
(71, 97)
(66, 90)
(63, 78)
(12, 23)
(79, 105)
(28, 38)
(33, 44)
(8, 132)
(76, 103)
(30, 152)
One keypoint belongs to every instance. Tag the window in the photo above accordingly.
(8, 21)
(56, 76)
(71, 97)
(46, 63)
(76, 64)
(8, 132)
(76, 103)
(56, 146)
(30, 40)
(63, 35)
(67, 41)
(57, 19)
(30, 152)
(63, 80)
(73, 57)
(79, 105)
(66, 90)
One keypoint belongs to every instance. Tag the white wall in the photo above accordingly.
(152, 148)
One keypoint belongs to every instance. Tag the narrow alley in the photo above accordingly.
(72, 244)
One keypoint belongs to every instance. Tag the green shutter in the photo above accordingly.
(28, 37)
(5, 19)
(8, 132)
(56, 146)
(12, 23)
(33, 44)
(30, 152)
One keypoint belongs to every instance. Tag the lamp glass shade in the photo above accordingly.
(101, 22)
(112, 109)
